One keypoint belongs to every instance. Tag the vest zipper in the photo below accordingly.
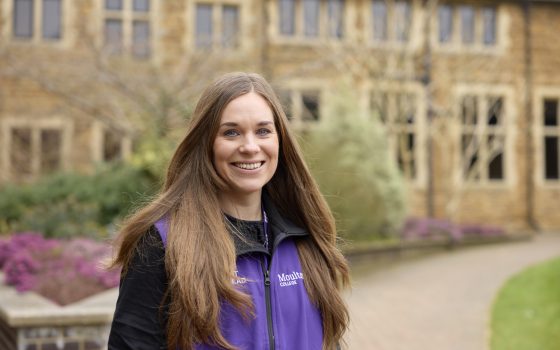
(266, 273)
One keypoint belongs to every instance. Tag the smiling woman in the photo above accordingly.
(238, 232)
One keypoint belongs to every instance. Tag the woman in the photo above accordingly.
(238, 251)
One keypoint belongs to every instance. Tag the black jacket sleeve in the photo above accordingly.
(141, 312)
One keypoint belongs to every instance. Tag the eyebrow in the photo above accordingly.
(233, 124)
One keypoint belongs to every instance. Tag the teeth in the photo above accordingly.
(248, 166)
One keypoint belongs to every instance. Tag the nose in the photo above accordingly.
(249, 145)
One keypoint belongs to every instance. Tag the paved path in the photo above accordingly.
(440, 302)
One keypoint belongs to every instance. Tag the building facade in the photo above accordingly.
(468, 90)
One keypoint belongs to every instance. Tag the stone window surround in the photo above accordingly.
(299, 38)
(294, 88)
(65, 125)
(67, 35)
(420, 124)
(509, 130)
(244, 13)
(97, 143)
(541, 93)
(128, 16)
(416, 27)
(455, 45)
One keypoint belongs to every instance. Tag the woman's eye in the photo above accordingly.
(231, 133)
(264, 131)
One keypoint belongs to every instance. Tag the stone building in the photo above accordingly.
(468, 90)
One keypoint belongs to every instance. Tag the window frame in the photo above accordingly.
(541, 94)
(217, 14)
(37, 37)
(394, 128)
(299, 36)
(128, 18)
(477, 46)
(391, 42)
(506, 129)
(36, 125)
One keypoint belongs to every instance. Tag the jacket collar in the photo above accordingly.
(280, 227)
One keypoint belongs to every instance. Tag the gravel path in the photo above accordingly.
(440, 302)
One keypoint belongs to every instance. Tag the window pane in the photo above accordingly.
(489, 25)
(203, 26)
(445, 20)
(405, 154)
(551, 157)
(112, 146)
(51, 158)
(405, 108)
(379, 20)
(113, 4)
(20, 152)
(336, 18)
(550, 112)
(141, 5)
(495, 110)
(403, 18)
(113, 35)
(287, 17)
(52, 13)
(141, 39)
(230, 26)
(496, 167)
(23, 18)
(469, 145)
(469, 110)
(310, 101)
(311, 17)
(467, 24)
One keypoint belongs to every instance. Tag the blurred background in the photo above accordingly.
(422, 120)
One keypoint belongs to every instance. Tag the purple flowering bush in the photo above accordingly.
(430, 228)
(64, 271)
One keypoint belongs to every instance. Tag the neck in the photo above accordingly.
(244, 208)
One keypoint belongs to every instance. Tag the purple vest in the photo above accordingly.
(285, 318)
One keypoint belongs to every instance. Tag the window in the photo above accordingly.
(112, 146)
(551, 138)
(34, 150)
(403, 18)
(311, 11)
(127, 27)
(483, 137)
(302, 105)
(445, 20)
(379, 9)
(476, 29)
(467, 24)
(217, 26)
(311, 18)
(399, 110)
(335, 18)
(391, 20)
(489, 25)
(37, 19)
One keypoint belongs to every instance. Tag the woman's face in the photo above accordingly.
(245, 151)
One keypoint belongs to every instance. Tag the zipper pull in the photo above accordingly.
(267, 278)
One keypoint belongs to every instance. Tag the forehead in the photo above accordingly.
(248, 106)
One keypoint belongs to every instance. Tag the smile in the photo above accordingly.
(248, 166)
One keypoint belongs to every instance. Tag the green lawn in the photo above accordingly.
(526, 312)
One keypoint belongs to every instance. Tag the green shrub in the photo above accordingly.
(69, 204)
(348, 155)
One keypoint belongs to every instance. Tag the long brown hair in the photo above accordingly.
(199, 246)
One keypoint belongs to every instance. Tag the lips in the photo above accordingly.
(248, 165)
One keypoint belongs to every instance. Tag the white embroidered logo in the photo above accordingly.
(290, 279)
(238, 279)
